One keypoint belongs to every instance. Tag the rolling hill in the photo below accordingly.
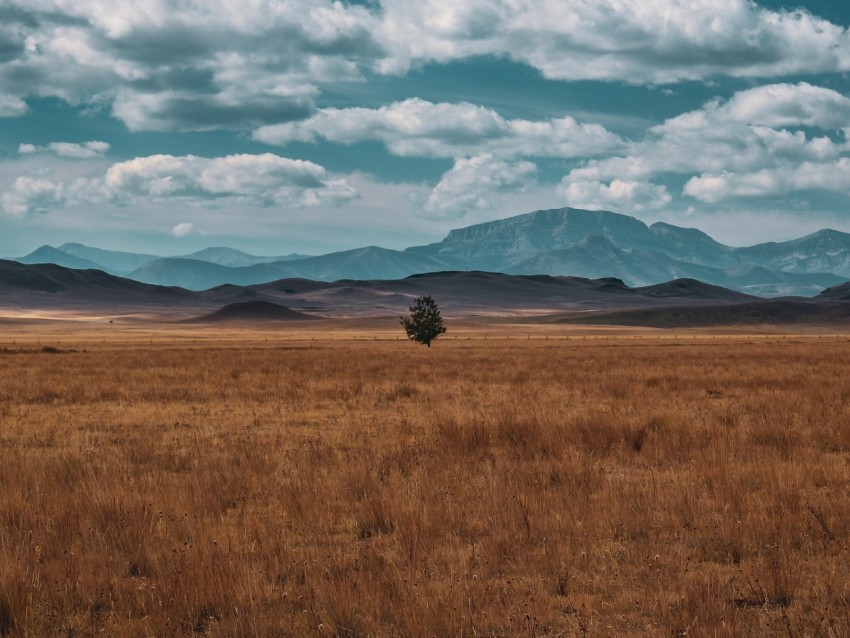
(676, 303)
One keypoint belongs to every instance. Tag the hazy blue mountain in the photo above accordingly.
(564, 241)
(371, 262)
(596, 256)
(51, 255)
(123, 263)
(823, 251)
(362, 263)
(601, 243)
(233, 258)
(692, 245)
(113, 261)
(516, 239)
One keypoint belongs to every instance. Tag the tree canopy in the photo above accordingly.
(424, 323)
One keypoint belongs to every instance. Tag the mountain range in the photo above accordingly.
(562, 242)
(48, 286)
(28, 290)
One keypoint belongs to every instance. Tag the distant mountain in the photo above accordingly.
(371, 262)
(73, 255)
(584, 243)
(192, 274)
(823, 251)
(361, 263)
(50, 255)
(500, 244)
(113, 261)
(598, 257)
(692, 246)
(233, 258)
(565, 241)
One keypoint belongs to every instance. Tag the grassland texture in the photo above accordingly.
(537, 488)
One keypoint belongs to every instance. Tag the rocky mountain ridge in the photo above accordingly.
(563, 241)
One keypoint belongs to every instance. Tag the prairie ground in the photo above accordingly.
(240, 482)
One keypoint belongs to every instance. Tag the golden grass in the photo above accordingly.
(531, 487)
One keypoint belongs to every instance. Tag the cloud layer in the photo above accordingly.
(631, 41)
(418, 128)
(173, 65)
(473, 182)
(265, 180)
(86, 150)
(762, 142)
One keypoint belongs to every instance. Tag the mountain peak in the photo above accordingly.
(49, 255)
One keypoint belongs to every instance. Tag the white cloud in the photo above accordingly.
(624, 196)
(750, 145)
(86, 150)
(418, 128)
(12, 106)
(32, 196)
(182, 229)
(173, 65)
(260, 180)
(625, 40)
(472, 182)
(802, 104)
(713, 188)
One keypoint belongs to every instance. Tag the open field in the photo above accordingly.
(567, 481)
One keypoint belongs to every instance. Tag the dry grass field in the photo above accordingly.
(605, 486)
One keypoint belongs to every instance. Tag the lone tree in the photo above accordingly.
(424, 324)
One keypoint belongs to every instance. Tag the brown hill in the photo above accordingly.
(782, 312)
(251, 311)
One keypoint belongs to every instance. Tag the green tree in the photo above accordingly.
(424, 324)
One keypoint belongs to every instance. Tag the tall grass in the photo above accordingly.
(523, 488)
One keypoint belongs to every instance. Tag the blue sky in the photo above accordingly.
(309, 126)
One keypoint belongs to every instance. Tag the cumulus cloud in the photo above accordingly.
(778, 105)
(32, 196)
(12, 106)
(182, 229)
(626, 40)
(626, 196)
(471, 183)
(261, 180)
(175, 65)
(419, 128)
(265, 180)
(86, 150)
(759, 142)
(713, 188)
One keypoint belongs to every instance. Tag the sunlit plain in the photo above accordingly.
(508, 481)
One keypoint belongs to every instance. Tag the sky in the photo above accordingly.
(309, 126)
